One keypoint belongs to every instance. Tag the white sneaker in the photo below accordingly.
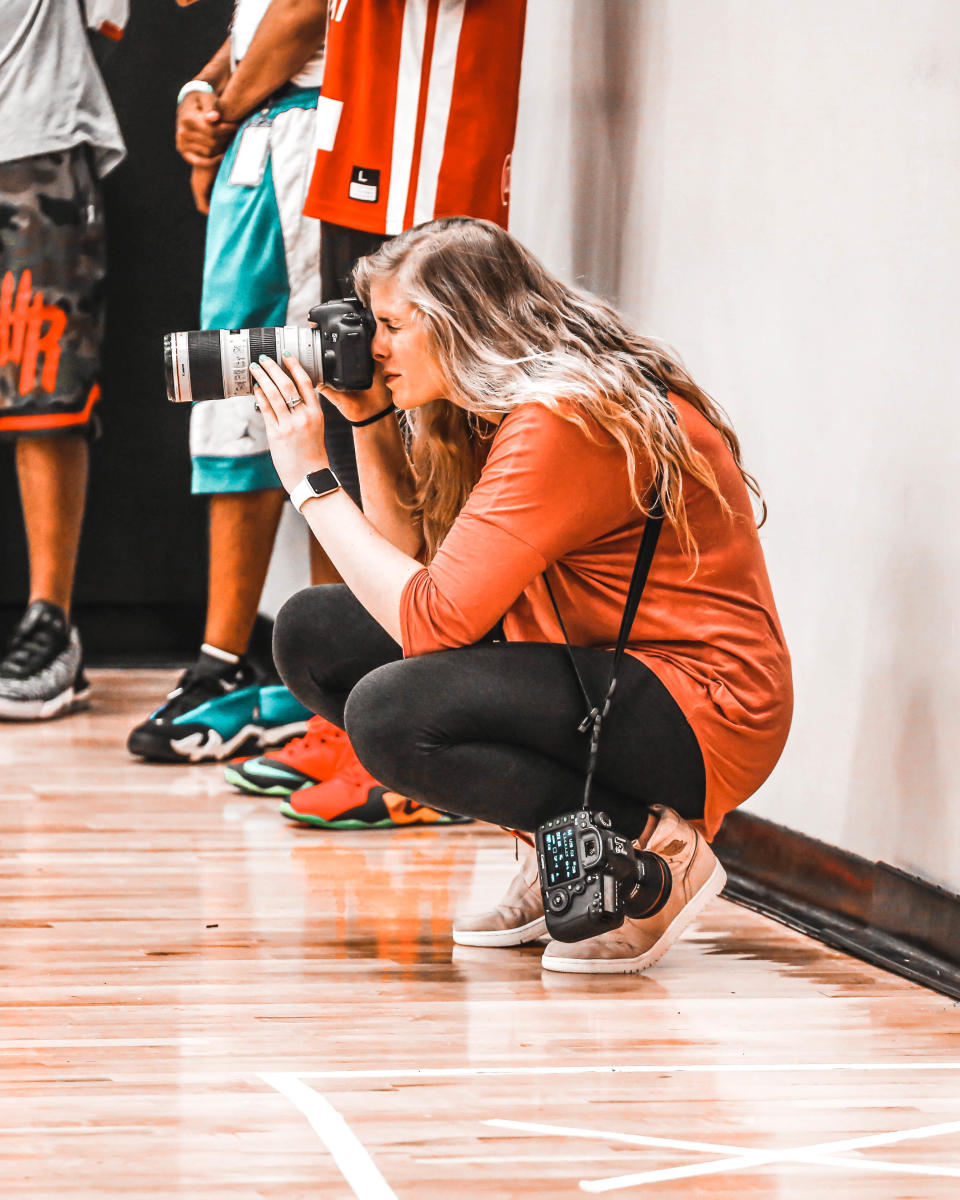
(517, 919)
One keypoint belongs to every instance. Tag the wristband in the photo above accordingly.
(384, 412)
(194, 85)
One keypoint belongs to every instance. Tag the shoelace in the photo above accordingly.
(27, 646)
(312, 736)
(193, 678)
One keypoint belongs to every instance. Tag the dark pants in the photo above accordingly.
(339, 250)
(490, 730)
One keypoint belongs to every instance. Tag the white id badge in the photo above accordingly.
(251, 160)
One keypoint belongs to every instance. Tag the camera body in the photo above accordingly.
(591, 877)
(209, 364)
(345, 329)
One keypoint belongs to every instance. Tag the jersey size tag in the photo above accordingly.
(364, 185)
(251, 160)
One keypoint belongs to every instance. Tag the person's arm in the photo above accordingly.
(372, 568)
(289, 34)
(386, 484)
(386, 478)
(217, 70)
(547, 488)
(202, 134)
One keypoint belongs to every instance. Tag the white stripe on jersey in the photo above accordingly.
(439, 94)
(405, 116)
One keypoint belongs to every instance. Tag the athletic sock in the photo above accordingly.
(217, 662)
(222, 655)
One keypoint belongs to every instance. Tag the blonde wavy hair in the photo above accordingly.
(505, 333)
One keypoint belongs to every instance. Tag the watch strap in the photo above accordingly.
(315, 483)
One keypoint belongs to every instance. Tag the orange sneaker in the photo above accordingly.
(301, 763)
(353, 799)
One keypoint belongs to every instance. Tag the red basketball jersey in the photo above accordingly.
(418, 112)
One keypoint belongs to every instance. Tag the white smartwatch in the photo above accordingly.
(316, 483)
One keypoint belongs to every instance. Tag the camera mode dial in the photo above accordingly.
(559, 900)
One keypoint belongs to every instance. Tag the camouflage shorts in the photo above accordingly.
(52, 270)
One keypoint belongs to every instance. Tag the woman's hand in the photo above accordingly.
(357, 406)
(295, 433)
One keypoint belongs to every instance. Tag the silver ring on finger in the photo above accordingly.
(294, 402)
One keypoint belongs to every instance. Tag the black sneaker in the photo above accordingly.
(41, 672)
(216, 711)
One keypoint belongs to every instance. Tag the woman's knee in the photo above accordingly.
(304, 620)
(302, 632)
(384, 721)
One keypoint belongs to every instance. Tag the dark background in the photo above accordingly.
(141, 583)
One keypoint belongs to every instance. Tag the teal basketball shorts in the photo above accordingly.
(261, 267)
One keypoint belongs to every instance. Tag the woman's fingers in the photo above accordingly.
(302, 380)
(283, 382)
(262, 406)
(272, 394)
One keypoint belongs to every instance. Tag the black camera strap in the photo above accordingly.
(593, 721)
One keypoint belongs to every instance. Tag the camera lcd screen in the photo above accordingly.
(560, 848)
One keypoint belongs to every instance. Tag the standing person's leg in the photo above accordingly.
(243, 527)
(52, 267)
(52, 474)
(261, 268)
(340, 248)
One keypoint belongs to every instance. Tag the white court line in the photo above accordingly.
(346, 1149)
(82, 1042)
(368, 1184)
(878, 1164)
(762, 1158)
(739, 1158)
(605, 1135)
(639, 1069)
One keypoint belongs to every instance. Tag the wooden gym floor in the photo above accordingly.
(202, 1000)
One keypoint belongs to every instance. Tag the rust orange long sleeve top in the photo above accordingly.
(552, 496)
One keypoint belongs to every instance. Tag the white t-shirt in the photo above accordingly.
(247, 15)
(51, 94)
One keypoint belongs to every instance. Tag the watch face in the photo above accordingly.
(323, 481)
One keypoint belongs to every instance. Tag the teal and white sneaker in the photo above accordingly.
(218, 712)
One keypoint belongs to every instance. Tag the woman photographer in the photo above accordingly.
(540, 428)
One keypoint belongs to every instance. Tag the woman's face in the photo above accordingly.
(402, 346)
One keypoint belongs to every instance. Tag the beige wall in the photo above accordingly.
(773, 187)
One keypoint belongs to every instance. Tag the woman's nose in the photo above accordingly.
(378, 347)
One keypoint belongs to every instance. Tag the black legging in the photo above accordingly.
(490, 730)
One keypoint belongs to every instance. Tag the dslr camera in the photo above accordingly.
(209, 364)
(592, 878)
